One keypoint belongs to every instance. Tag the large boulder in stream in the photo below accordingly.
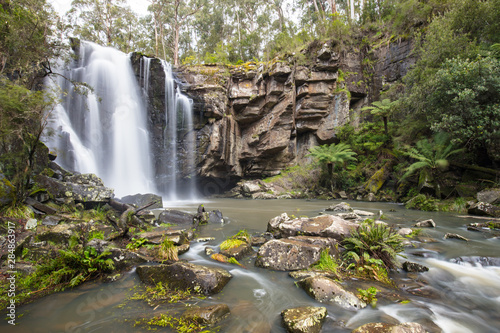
(295, 253)
(323, 226)
(186, 276)
(390, 328)
(491, 196)
(177, 218)
(483, 209)
(306, 319)
(140, 200)
(327, 290)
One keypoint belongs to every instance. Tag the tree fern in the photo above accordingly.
(384, 109)
(432, 157)
(333, 154)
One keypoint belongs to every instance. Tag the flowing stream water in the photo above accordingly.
(452, 297)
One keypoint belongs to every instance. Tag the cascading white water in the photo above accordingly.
(179, 140)
(185, 105)
(104, 132)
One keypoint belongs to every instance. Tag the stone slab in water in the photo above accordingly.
(390, 328)
(322, 226)
(186, 276)
(176, 217)
(327, 290)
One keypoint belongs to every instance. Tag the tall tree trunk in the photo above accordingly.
(281, 18)
(321, 13)
(239, 33)
(176, 44)
(333, 6)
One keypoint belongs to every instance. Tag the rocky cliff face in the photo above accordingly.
(254, 120)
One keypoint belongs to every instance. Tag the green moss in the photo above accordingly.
(376, 181)
(162, 293)
(181, 325)
(229, 244)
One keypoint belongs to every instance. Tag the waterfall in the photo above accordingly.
(179, 142)
(104, 131)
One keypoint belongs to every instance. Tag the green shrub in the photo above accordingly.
(368, 295)
(422, 202)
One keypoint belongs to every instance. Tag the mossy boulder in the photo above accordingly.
(378, 179)
(292, 253)
(86, 188)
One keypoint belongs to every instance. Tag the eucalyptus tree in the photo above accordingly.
(108, 22)
(171, 19)
(28, 39)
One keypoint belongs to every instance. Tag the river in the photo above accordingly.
(461, 297)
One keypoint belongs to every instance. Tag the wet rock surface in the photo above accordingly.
(307, 319)
(390, 328)
(176, 218)
(140, 200)
(483, 209)
(425, 224)
(289, 254)
(324, 289)
(207, 315)
(414, 267)
(186, 276)
(324, 226)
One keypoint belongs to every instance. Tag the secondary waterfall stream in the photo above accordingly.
(106, 131)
